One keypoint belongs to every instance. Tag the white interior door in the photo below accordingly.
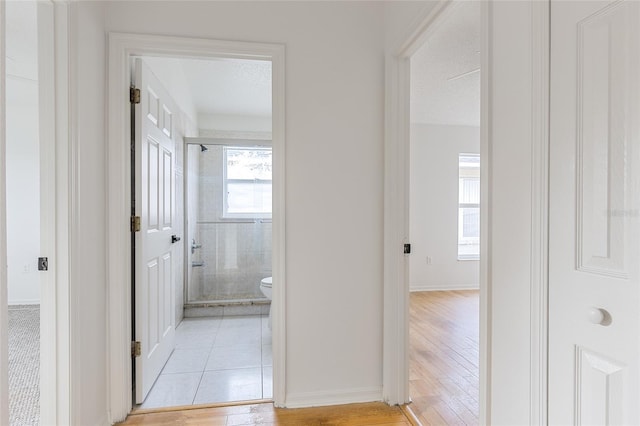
(155, 204)
(594, 213)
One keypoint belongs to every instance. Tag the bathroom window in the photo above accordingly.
(247, 182)
(468, 207)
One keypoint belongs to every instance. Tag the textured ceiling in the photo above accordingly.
(228, 86)
(445, 77)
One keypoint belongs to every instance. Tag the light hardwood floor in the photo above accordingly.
(444, 357)
(370, 414)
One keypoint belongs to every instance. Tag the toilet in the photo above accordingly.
(265, 288)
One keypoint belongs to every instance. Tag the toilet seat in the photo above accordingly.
(266, 282)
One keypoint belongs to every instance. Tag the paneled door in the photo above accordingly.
(594, 269)
(155, 204)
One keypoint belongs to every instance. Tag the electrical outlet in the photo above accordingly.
(26, 269)
(428, 259)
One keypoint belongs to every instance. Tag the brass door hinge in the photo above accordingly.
(134, 95)
(135, 223)
(136, 349)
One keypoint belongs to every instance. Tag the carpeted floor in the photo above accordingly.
(24, 365)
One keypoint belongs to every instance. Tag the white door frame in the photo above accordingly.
(53, 16)
(121, 48)
(4, 346)
(396, 205)
(55, 178)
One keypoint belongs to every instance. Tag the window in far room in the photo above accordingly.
(469, 207)
(247, 182)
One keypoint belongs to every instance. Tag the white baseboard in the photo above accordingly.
(24, 302)
(418, 287)
(338, 397)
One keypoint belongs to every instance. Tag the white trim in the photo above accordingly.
(63, 177)
(121, 47)
(348, 396)
(540, 59)
(453, 287)
(4, 344)
(47, 147)
(55, 371)
(485, 213)
(71, 182)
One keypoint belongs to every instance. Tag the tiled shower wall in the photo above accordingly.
(236, 254)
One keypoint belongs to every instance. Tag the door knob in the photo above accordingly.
(599, 316)
(174, 239)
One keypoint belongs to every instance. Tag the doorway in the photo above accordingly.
(30, 138)
(124, 47)
(444, 219)
(203, 252)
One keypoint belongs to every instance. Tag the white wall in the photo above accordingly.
(334, 154)
(227, 122)
(23, 157)
(434, 207)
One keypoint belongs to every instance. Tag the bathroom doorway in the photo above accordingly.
(212, 189)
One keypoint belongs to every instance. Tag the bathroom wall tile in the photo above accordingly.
(186, 361)
(233, 310)
(266, 330)
(265, 308)
(230, 385)
(267, 382)
(173, 389)
(267, 359)
(198, 311)
(232, 357)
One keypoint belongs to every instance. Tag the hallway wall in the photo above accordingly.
(334, 98)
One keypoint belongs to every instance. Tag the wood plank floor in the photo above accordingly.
(444, 357)
(370, 414)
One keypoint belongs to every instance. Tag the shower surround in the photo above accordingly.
(234, 253)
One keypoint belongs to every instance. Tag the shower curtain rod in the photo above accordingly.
(228, 142)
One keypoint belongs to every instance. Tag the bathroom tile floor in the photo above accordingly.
(218, 359)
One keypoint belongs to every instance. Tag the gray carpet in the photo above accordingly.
(24, 365)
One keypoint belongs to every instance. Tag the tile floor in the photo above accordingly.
(219, 359)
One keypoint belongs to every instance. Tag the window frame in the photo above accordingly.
(226, 214)
(462, 241)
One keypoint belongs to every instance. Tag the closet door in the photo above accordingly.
(594, 269)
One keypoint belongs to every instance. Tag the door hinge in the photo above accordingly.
(134, 95)
(136, 349)
(407, 248)
(135, 223)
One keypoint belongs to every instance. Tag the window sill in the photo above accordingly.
(466, 258)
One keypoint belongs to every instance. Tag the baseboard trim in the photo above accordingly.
(444, 288)
(335, 397)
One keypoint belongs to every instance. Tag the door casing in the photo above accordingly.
(56, 177)
(396, 205)
(120, 49)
